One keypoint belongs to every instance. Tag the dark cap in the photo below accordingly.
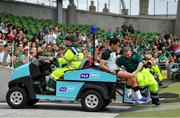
(69, 38)
(7, 44)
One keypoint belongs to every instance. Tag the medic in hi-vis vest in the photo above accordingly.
(146, 79)
(156, 71)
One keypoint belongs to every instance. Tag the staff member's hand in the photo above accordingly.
(134, 73)
(113, 71)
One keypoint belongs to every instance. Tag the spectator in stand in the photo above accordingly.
(109, 34)
(105, 42)
(124, 27)
(39, 53)
(48, 51)
(12, 35)
(65, 34)
(165, 51)
(126, 41)
(56, 32)
(42, 34)
(156, 42)
(163, 60)
(1, 36)
(86, 54)
(37, 42)
(33, 45)
(1, 46)
(55, 49)
(49, 38)
(20, 45)
(155, 49)
(25, 56)
(43, 47)
(118, 32)
(21, 33)
(169, 41)
(172, 63)
(118, 52)
(1, 51)
(33, 54)
(97, 40)
(5, 31)
(100, 51)
(155, 58)
(2, 26)
(24, 40)
(131, 29)
(18, 58)
(24, 29)
(148, 54)
(61, 52)
(5, 58)
(83, 37)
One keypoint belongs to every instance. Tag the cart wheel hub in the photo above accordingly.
(91, 101)
(16, 97)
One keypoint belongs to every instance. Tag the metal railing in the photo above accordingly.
(160, 8)
(169, 70)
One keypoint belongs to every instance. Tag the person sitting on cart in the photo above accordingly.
(72, 60)
(108, 64)
(133, 63)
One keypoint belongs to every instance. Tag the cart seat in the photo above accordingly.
(86, 63)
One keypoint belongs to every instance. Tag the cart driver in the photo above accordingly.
(71, 60)
(108, 63)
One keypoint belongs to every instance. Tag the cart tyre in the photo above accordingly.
(16, 98)
(92, 101)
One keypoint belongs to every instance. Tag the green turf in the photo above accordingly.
(160, 113)
(173, 88)
(172, 112)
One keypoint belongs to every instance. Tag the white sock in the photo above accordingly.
(138, 94)
(128, 91)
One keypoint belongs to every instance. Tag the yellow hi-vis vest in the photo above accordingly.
(155, 69)
(73, 58)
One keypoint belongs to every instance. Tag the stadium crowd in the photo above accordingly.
(16, 49)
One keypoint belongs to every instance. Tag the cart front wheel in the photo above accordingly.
(16, 98)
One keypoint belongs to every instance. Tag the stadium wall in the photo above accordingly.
(103, 20)
(5, 76)
(146, 24)
(32, 10)
(177, 24)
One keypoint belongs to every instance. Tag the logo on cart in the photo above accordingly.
(62, 89)
(95, 75)
(66, 89)
(84, 75)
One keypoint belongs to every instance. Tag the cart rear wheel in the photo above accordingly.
(92, 101)
(16, 98)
